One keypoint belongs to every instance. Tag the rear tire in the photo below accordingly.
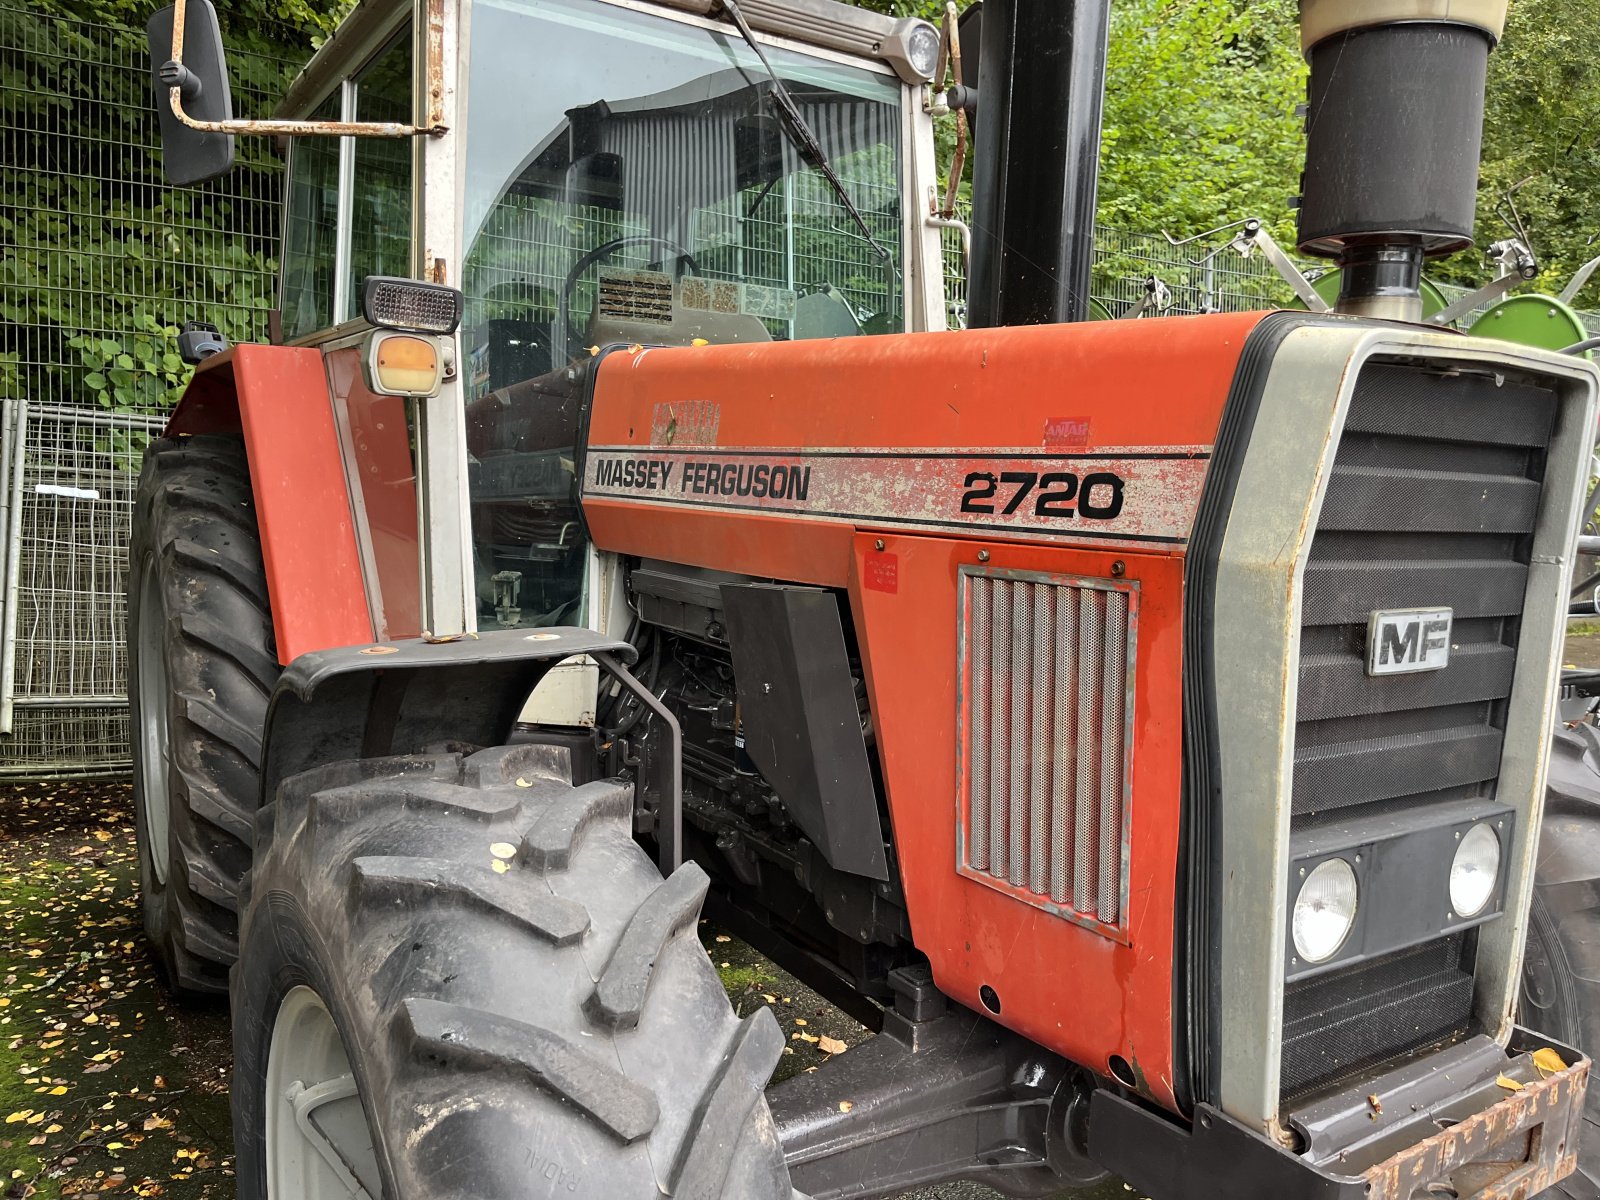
(201, 664)
(1561, 969)
(550, 1028)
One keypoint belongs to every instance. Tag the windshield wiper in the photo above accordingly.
(799, 132)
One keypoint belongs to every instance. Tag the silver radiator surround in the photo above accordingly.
(1256, 643)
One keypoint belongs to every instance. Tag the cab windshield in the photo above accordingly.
(628, 180)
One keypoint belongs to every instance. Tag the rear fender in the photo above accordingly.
(277, 397)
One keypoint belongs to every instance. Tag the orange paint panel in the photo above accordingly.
(1057, 387)
(1072, 988)
(890, 463)
(816, 552)
(738, 457)
(278, 397)
(384, 487)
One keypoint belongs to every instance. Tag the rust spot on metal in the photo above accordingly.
(1541, 1121)
(270, 128)
(276, 128)
(434, 18)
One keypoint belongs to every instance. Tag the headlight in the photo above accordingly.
(922, 49)
(1324, 911)
(1475, 870)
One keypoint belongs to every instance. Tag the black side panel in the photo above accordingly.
(802, 725)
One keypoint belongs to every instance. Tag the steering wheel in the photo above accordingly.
(603, 251)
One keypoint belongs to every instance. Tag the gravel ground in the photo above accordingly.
(1583, 646)
(108, 1089)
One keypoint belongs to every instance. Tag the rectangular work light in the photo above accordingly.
(410, 305)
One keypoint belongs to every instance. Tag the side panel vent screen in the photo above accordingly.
(1046, 740)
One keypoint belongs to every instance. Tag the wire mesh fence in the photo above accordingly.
(100, 262)
(1197, 278)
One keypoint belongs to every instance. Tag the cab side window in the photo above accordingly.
(349, 199)
(310, 229)
(380, 227)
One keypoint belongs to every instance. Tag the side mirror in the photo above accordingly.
(192, 155)
(970, 29)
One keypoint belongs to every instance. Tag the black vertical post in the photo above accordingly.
(1036, 162)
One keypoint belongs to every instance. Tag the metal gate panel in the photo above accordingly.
(63, 648)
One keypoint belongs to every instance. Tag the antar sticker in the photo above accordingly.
(1124, 493)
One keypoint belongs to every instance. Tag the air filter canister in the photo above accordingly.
(1394, 129)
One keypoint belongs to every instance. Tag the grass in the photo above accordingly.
(105, 1089)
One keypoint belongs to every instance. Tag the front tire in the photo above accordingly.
(1561, 968)
(463, 978)
(202, 664)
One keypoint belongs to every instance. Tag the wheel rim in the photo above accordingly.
(318, 1146)
(154, 695)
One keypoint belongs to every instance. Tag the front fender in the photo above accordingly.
(277, 397)
(402, 697)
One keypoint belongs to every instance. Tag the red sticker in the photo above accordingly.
(1066, 433)
(882, 573)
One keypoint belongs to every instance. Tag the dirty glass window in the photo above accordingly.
(634, 173)
(310, 229)
(380, 227)
(631, 182)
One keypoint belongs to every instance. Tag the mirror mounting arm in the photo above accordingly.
(185, 85)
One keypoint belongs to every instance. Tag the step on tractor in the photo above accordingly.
(1139, 726)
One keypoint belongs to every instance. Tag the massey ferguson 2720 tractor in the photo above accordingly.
(1140, 725)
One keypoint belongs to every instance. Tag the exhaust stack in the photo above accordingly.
(1036, 161)
(1394, 130)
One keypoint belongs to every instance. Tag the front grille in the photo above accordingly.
(1339, 1025)
(1047, 692)
(1431, 503)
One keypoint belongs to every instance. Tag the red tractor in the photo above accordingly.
(1141, 725)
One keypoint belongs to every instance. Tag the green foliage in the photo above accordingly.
(270, 24)
(1540, 131)
(1200, 127)
(1200, 124)
(100, 259)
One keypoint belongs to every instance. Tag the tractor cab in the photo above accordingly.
(587, 174)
